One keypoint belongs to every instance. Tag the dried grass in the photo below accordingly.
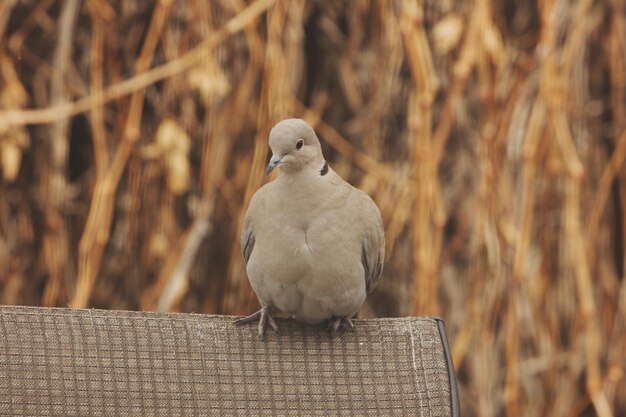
(491, 134)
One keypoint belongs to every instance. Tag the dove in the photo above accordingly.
(313, 245)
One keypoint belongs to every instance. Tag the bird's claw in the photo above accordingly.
(336, 322)
(264, 317)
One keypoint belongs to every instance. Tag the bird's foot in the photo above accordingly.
(336, 322)
(264, 316)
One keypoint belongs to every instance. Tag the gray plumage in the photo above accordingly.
(313, 245)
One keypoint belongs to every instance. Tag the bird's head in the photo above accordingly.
(294, 146)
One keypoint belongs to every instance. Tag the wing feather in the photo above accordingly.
(247, 239)
(373, 245)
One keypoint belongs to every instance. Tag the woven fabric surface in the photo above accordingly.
(65, 362)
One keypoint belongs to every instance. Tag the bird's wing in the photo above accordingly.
(247, 242)
(246, 239)
(373, 244)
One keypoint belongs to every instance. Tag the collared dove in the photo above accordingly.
(313, 245)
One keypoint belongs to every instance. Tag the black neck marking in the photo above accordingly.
(324, 169)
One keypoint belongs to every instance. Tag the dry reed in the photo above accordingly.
(491, 134)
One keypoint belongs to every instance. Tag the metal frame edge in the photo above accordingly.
(454, 391)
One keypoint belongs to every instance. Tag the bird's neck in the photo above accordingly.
(307, 173)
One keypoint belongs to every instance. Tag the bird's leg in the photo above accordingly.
(333, 325)
(347, 322)
(336, 322)
(264, 316)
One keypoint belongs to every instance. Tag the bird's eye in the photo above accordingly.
(299, 144)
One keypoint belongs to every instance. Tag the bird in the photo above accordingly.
(313, 244)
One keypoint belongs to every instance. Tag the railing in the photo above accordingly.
(67, 362)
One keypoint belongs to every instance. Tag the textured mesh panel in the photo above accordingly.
(66, 362)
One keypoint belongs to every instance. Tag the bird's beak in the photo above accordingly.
(274, 161)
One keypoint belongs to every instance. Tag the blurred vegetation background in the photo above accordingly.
(490, 133)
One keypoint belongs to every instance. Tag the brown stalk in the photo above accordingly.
(54, 182)
(617, 57)
(176, 281)
(530, 153)
(101, 153)
(604, 187)
(425, 254)
(462, 68)
(587, 303)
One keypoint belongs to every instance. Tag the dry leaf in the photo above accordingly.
(447, 33)
(493, 44)
(10, 158)
(178, 173)
(158, 245)
(209, 80)
(13, 140)
(172, 146)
